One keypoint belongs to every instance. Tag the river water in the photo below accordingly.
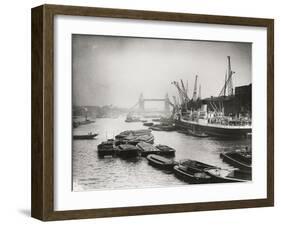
(91, 172)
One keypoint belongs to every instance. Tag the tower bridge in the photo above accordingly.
(140, 105)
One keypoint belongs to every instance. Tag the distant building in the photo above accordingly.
(239, 103)
(243, 95)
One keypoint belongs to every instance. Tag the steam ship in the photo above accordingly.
(215, 129)
(226, 116)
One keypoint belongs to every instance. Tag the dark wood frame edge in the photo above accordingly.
(42, 197)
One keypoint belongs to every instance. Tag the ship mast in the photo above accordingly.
(194, 97)
(199, 94)
(228, 85)
(224, 91)
(187, 88)
(230, 72)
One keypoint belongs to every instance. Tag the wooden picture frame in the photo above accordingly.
(42, 203)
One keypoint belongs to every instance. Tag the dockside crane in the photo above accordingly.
(180, 91)
(175, 105)
(184, 89)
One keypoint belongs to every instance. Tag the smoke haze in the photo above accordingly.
(109, 70)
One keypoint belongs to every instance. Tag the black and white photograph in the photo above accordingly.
(156, 112)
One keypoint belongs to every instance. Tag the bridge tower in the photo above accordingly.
(141, 103)
(167, 103)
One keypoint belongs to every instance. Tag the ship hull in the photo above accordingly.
(213, 129)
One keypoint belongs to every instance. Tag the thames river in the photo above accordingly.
(91, 172)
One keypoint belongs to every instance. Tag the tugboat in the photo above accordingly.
(193, 172)
(88, 136)
(161, 162)
(87, 120)
(77, 121)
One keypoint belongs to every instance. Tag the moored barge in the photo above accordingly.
(193, 172)
(107, 148)
(228, 175)
(165, 150)
(161, 162)
(127, 151)
(239, 159)
(147, 149)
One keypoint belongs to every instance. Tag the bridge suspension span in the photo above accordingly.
(140, 105)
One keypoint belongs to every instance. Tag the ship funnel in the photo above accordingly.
(204, 107)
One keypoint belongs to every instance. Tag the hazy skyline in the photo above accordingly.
(116, 70)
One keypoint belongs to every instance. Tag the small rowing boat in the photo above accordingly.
(197, 133)
(162, 127)
(88, 136)
(148, 124)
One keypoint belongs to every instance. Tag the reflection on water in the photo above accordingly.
(91, 172)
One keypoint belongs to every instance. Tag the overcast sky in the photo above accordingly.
(116, 70)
